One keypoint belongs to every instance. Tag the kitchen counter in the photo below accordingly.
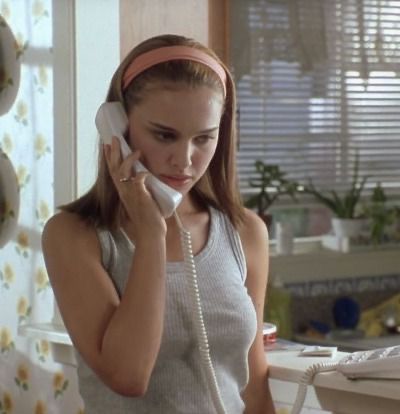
(352, 344)
(331, 391)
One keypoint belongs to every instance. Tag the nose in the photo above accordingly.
(182, 155)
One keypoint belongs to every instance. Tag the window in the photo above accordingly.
(318, 82)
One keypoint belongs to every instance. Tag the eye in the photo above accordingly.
(164, 136)
(203, 139)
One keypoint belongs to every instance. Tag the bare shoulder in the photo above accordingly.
(253, 230)
(63, 221)
(64, 226)
(254, 237)
(67, 233)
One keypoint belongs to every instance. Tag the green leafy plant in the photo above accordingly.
(344, 205)
(380, 215)
(271, 183)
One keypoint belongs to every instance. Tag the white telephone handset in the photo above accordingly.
(111, 120)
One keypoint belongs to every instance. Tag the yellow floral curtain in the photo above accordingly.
(30, 382)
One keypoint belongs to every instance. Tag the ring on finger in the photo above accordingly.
(125, 179)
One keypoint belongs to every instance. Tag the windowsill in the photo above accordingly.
(56, 334)
(311, 261)
(46, 331)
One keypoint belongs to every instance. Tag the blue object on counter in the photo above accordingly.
(320, 327)
(346, 313)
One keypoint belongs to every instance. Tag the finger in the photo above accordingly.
(137, 179)
(107, 155)
(136, 184)
(115, 156)
(127, 168)
(107, 152)
(140, 177)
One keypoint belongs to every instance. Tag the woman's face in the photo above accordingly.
(176, 130)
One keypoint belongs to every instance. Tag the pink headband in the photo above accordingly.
(165, 54)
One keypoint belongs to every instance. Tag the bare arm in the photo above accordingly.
(254, 238)
(118, 338)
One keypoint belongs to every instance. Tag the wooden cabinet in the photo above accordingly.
(203, 20)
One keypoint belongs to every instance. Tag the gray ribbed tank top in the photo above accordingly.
(177, 384)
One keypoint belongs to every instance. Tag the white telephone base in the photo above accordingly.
(381, 363)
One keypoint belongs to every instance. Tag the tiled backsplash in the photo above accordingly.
(314, 300)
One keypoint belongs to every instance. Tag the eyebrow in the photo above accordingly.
(169, 129)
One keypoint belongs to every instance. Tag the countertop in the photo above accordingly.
(331, 390)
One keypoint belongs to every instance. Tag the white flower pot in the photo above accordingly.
(347, 227)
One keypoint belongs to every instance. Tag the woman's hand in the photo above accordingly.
(144, 216)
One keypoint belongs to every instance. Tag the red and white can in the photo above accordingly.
(269, 333)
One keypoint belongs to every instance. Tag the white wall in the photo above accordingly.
(86, 53)
(97, 56)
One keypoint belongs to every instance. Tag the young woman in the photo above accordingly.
(116, 264)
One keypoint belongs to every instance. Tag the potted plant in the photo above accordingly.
(271, 183)
(380, 215)
(347, 220)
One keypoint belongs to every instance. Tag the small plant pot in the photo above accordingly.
(347, 227)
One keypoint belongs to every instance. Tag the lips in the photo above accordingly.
(176, 181)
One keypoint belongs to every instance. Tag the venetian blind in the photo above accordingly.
(318, 82)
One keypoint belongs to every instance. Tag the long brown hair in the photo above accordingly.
(218, 186)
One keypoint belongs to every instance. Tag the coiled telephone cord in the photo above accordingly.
(200, 329)
(306, 380)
